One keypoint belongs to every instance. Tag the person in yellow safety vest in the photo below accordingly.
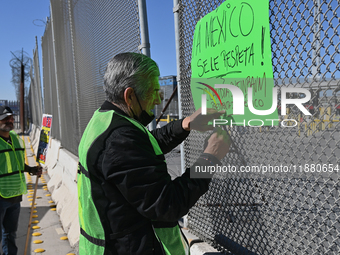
(12, 180)
(128, 203)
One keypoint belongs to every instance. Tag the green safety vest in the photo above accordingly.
(12, 165)
(92, 236)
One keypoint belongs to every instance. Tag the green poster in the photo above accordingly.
(231, 53)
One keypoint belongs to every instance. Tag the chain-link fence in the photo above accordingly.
(80, 38)
(282, 213)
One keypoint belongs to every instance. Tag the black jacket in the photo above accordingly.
(131, 186)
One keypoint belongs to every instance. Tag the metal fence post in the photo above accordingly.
(56, 73)
(144, 47)
(143, 20)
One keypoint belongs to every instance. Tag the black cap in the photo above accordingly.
(5, 111)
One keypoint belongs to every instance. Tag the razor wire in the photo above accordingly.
(293, 212)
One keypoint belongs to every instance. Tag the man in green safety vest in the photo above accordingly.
(12, 180)
(128, 203)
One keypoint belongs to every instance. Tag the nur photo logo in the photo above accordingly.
(239, 104)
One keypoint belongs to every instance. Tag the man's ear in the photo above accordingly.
(129, 96)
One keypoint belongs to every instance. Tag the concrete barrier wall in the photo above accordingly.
(63, 187)
(35, 137)
(61, 167)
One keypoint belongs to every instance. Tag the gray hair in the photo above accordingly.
(128, 70)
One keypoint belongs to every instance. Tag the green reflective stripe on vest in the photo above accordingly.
(99, 122)
(12, 164)
(89, 219)
(86, 247)
(80, 208)
(172, 240)
(8, 163)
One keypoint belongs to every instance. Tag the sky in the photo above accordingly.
(18, 31)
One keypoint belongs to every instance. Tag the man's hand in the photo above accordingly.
(35, 170)
(218, 144)
(199, 122)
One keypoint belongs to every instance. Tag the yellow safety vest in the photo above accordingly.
(12, 165)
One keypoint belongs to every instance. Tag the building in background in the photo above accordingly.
(3, 102)
(14, 105)
(168, 85)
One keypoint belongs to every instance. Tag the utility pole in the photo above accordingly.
(22, 98)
